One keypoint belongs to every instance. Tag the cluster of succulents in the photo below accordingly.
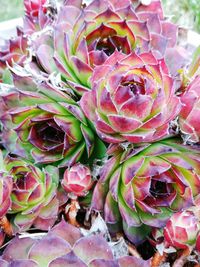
(59, 248)
(96, 118)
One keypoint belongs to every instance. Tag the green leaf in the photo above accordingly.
(89, 138)
(1, 161)
(137, 234)
(7, 77)
(86, 200)
(99, 149)
(70, 125)
(73, 156)
(155, 220)
(195, 65)
(131, 216)
(53, 172)
(22, 114)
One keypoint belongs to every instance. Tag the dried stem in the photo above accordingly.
(6, 226)
(158, 259)
(71, 212)
(182, 259)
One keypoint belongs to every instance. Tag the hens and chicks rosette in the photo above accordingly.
(94, 117)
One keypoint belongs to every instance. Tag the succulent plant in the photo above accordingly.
(181, 230)
(5, 189)
(64, 245)
(143, 185)
(33, 194)
(95, 31)
(45, 126)
(14, 50)
(163, 33)
(37, 16)
(189, 116)
(132, 99)
(77, 180)
(32, 7)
